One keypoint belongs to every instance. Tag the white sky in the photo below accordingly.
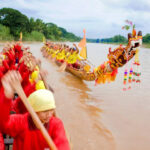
(100, 18)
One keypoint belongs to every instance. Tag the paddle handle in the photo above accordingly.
(36, 119)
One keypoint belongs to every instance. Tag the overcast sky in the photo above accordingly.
(100, 18)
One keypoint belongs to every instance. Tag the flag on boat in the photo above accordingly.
(20, 36)
(44, 39)
(83, 53)
(82, 45)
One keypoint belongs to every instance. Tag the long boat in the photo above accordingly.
(116, 58)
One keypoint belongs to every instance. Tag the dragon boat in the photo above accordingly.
(107, 71)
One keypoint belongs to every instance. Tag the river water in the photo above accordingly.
(102, 117)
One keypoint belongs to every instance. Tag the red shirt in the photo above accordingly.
(5, 64)
(1, 142)
(26, 135)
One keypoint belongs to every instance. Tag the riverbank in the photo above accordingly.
(32, 42)
(146, 45)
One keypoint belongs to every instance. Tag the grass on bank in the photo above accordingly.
(5, 34)
(146, 45)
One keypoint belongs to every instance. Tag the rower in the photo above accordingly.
(21, 126)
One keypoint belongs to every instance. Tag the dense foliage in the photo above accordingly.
(13, 22)
(5, 33)
(115, 39)
(146, 38)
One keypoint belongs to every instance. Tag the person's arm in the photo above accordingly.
(59, 135)
(5, 64)
(76, 48)
(9, 124)
(38, 62)
(43, 75)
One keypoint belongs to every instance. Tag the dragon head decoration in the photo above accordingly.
(121, 54)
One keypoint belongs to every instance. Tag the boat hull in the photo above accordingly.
(80, 73)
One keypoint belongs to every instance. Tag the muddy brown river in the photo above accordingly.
(102, 117)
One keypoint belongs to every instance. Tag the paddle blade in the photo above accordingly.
(63, 67)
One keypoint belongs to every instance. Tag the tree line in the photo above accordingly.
(13, 22)
(115, 39)
(118, 39)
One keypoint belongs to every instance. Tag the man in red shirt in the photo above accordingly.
(21, 126)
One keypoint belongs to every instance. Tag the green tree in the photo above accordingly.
(52, 31)
(119, 39)
(33, 36)
(146, 38)
(39, 25)
(5, 33)
(31, 25)
(115, 39)
(16, 21)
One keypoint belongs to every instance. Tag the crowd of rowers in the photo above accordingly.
(63, 53)
(18, 65)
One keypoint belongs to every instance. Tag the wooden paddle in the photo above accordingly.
(63, 67)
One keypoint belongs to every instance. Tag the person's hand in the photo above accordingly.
(22, 59)
(11, 81)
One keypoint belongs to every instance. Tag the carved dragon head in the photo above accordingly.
(121, 55)
(134, 42)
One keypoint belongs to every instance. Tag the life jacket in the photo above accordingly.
(72, 59)
(61, 55)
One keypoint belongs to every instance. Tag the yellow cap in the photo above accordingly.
(40, 85)
(34, 75)
(42, 100)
